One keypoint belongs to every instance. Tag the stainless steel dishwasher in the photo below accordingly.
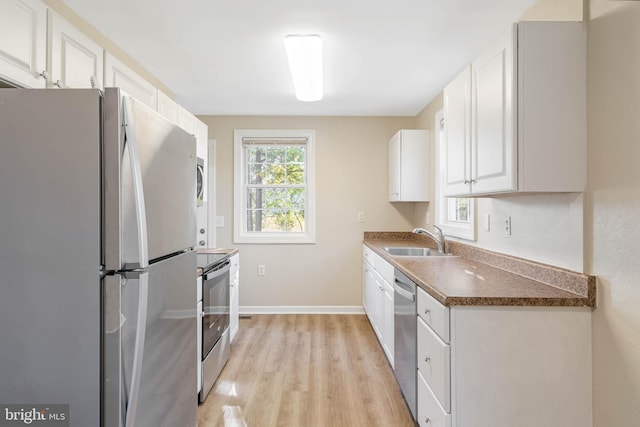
(405, 337)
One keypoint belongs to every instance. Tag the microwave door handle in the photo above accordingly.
(138, 192)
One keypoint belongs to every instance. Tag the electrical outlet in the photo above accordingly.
(360, 216)
(261, 270)
(507, 226)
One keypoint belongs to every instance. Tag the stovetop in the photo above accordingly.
(208, 261)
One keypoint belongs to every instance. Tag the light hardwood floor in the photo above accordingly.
(305, 370)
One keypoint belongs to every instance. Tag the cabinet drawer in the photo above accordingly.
(434, 314)
(368, 255)
(430, 413)
(434, 363)
(385, 269)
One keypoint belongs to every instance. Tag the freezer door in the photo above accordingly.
(166, 157)
(158, 344)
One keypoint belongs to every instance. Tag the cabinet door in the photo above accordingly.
(116, 74)
(456, 153)
(493, 100)
(75, 61)
(23, 45)
(167, 107)
(372, 298)
(186, 120)
(387, 322)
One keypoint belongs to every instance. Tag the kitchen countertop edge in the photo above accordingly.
(520, 291)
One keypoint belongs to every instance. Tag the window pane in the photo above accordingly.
(462, 209)
(458, 210)
(295, 154)
(275, 174)
(276, 209)
(256, 154)
(275, 154)
(295, 173)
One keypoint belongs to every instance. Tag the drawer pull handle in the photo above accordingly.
(427, 420)
(427, 311)
(427, 359)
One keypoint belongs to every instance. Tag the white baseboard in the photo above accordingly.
(302, 309)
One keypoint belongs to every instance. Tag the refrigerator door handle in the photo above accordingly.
(138, 352)
(138, 192)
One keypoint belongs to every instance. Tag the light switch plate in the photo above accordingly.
(487, 222)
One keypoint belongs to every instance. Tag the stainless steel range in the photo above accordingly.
(214, 337)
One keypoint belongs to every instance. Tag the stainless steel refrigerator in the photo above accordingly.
(97, 260)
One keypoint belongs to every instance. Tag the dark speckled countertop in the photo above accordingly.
(497, 280)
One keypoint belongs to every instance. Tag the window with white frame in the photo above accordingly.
(455, 215)
(274, 186)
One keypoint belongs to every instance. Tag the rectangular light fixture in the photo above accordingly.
(305, 61)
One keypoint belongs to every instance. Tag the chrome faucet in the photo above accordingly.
(439, 238)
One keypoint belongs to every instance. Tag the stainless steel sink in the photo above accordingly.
(413, 251)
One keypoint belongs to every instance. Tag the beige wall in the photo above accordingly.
(612, 208)
(351, 176)
(63, 10)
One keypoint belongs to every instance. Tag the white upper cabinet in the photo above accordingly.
(167, 107)
(74, 60)
(23, 44)
(515, 119)
(493, 138)
(409, 166)
(117, 74)
(457, 138)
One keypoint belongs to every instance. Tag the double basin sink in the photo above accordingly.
(414, 251)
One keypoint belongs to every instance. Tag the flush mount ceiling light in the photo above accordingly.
(305, 61)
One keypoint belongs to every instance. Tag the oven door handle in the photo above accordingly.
(218, 271)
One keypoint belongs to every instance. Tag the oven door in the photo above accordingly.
(215, 302)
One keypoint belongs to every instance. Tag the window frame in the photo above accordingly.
(451, 228)
(241, 235)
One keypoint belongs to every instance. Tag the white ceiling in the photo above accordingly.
(381, 57)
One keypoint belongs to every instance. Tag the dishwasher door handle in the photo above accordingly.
(403, 292)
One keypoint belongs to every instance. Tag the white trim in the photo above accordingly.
(239, 233)
(450, 228)
(301, 309)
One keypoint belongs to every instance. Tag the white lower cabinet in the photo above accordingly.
(503, 366)
(378, 298)
(430, 412)
(234, 296)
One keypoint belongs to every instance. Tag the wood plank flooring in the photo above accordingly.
(305, 370)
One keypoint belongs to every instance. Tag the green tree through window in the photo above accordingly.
(276, 187)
